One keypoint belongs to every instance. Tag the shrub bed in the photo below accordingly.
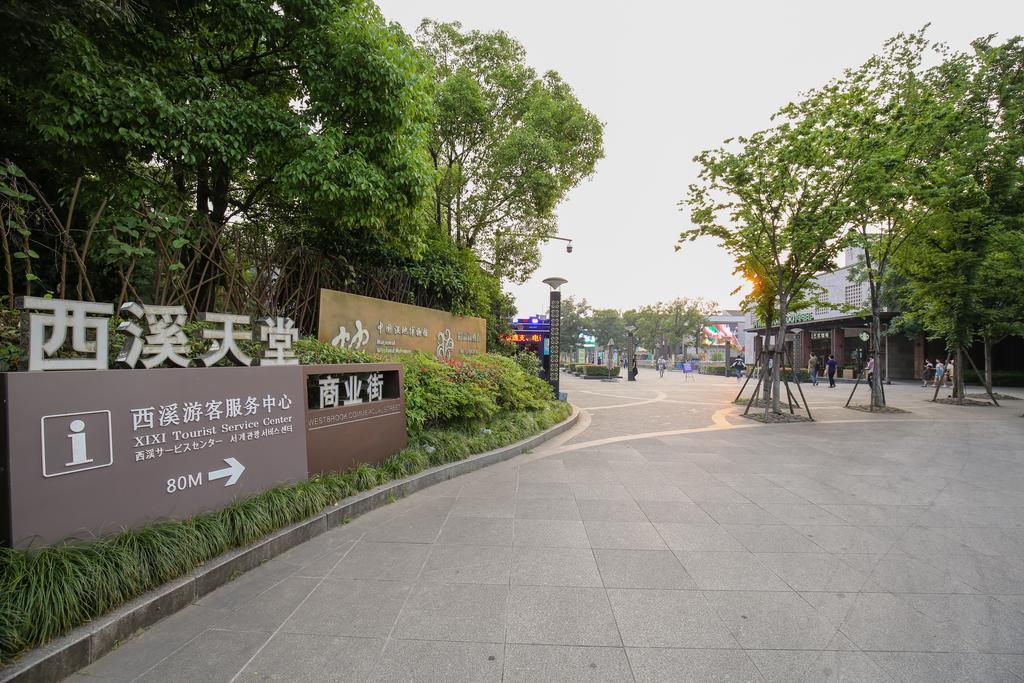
(454, 409)
(600, 371)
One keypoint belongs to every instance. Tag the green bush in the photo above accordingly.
(1000, 378)
(600, 371)
(47, 591)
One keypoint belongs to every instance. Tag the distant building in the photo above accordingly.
(826, 329)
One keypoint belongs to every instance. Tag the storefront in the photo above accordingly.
(848, 339)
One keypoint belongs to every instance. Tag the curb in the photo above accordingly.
(81, 647)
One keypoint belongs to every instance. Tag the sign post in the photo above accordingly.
(555, 316)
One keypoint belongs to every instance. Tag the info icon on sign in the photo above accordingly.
(75, 442)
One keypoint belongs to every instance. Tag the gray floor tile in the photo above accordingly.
(688, 537)
(666, 665)
(738, 513)
(484, 507)
(802, 513)
(845, 539)
(269, 610)
(784, 666)
(468, 564)
(293, 657)
(772, 538)
(350, 608)
(814, 571)
(248, 585)
(668, 618)
(382, 561)
(877, 515)
(408, 528)
(729, 571)
(458, 612)
(547, 508)
(431, 661)
(213, 656)
(477, 531)
(642, 569)
(560, 616)
(987, 623)
(138, 654)
(529, 663)
(772, 620)
(550, 533)
(885, 622)
(600, 491)
(529, 489)
(624, 535)
(610, 511)
(899, 573)
(945, 667)
(554, 567)
(671, 511)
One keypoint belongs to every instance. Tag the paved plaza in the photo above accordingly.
(664, 538)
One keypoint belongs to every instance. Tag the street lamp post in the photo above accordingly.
(555, 318)
(630, 353)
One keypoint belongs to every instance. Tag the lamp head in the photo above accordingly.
(568, 248)
(554, 282)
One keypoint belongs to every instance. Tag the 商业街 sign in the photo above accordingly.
(89, 451)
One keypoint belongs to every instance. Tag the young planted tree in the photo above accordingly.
(775, 201)
(899, 124)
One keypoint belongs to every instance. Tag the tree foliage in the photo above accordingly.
(507, 145)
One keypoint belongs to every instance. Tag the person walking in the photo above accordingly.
(633, 369)
(738, 365)
(812, 369)
(927, 373)
(871, 370)
(831, 366)
(950, 369)
(940, 372)
(661, 367)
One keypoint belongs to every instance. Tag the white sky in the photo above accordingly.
(670, 79)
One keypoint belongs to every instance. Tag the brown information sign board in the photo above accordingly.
(362, 323)
(92, 452)
(355, 413)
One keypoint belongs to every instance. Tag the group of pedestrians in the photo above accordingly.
(938, 373)
(815, 365)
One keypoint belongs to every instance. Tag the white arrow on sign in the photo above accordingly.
(232, 472)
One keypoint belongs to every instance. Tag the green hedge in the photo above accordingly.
(600, 371)
(1000, 378)
(45, 592)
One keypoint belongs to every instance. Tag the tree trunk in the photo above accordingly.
(780, 341)
(877, 397)
(958, 376)
(988, 363)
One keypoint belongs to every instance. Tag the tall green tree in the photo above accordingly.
(507, 145)
(970, 244)
(899, 120)
(296, 118)
(773, 200)
(574, 323)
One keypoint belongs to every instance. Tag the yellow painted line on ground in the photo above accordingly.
(661, 397)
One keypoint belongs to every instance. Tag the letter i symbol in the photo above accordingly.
(79, 456)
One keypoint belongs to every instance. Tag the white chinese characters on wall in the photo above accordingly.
(189, 426)
(360, 338)
(153, 335)
(352, 391)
